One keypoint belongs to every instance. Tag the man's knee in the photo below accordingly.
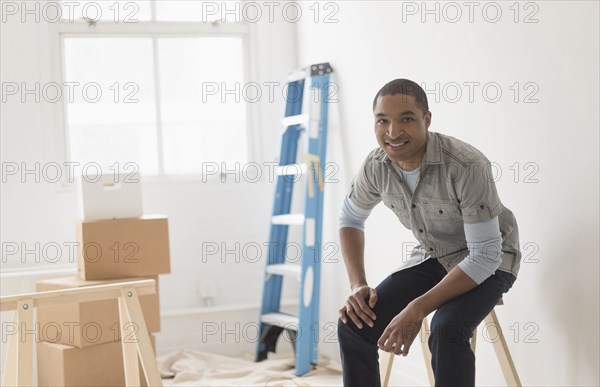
(449, 331)
(346, 329)
(349, 332)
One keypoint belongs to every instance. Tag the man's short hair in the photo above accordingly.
(405, 87)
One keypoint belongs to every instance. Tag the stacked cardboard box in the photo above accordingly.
(89, 323)
(97, 365)
(121, 248)
(80, 343)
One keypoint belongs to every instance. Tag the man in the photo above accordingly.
(468, 255)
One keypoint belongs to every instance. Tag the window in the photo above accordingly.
(148, 82)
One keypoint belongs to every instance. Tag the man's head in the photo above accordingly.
(404, 87)
(402, 118)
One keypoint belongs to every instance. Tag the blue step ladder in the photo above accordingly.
(311, 86)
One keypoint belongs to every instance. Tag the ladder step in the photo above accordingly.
(291, 169)
(282, 320)
(290, 269)
(289, 219)
(297, 75)
(300, 119)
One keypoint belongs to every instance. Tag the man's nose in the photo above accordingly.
(394, 130)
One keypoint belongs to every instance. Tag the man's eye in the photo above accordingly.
(408, 119)
(381, 121)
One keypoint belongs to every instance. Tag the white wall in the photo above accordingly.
(370, 45)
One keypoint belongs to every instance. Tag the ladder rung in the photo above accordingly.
(281, 319)
(290, 269)
(297, 75)
(300, 119)
(289, 219)
(291, 169)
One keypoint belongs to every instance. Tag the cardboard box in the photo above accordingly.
(98, 365)
(110, 196)
(90, 323)
(123, 247)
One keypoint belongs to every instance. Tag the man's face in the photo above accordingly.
(401, 129)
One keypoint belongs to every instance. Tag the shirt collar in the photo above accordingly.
(433, 152)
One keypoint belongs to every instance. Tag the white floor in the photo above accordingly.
(188, 367)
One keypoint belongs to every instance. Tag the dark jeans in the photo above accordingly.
(452, 326)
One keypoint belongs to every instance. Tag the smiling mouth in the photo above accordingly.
(396, 144)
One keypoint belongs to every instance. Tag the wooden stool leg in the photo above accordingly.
(9, 377)
(474, 340)
(387, 359)
(24, 345)
(144, 347)
(502, 352)
(130, 356)
(18, 369)
(385, 367)
(426, 352)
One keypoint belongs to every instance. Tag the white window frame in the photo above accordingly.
(155, 30)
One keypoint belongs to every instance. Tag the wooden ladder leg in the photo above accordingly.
(426, 352)
(503, 353)
(130, 356)
(144, 347)
(385, 367)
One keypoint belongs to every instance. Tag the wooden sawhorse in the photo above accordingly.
(18, 370)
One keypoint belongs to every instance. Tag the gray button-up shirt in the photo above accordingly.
(456, 186)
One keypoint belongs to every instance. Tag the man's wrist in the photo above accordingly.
(357, 285)
(421, 304)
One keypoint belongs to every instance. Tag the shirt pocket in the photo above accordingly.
(439, 213)
(395, 202)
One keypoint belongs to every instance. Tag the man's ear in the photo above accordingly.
(427, 119)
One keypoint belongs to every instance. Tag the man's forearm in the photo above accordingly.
(353, 250)
(455, 283)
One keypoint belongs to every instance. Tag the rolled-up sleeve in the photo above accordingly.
(476, 192)
(363, 191)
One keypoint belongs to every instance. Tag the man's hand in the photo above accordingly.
(357, 308)
(402, 330)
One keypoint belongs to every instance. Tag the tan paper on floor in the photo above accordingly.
(194, 368)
